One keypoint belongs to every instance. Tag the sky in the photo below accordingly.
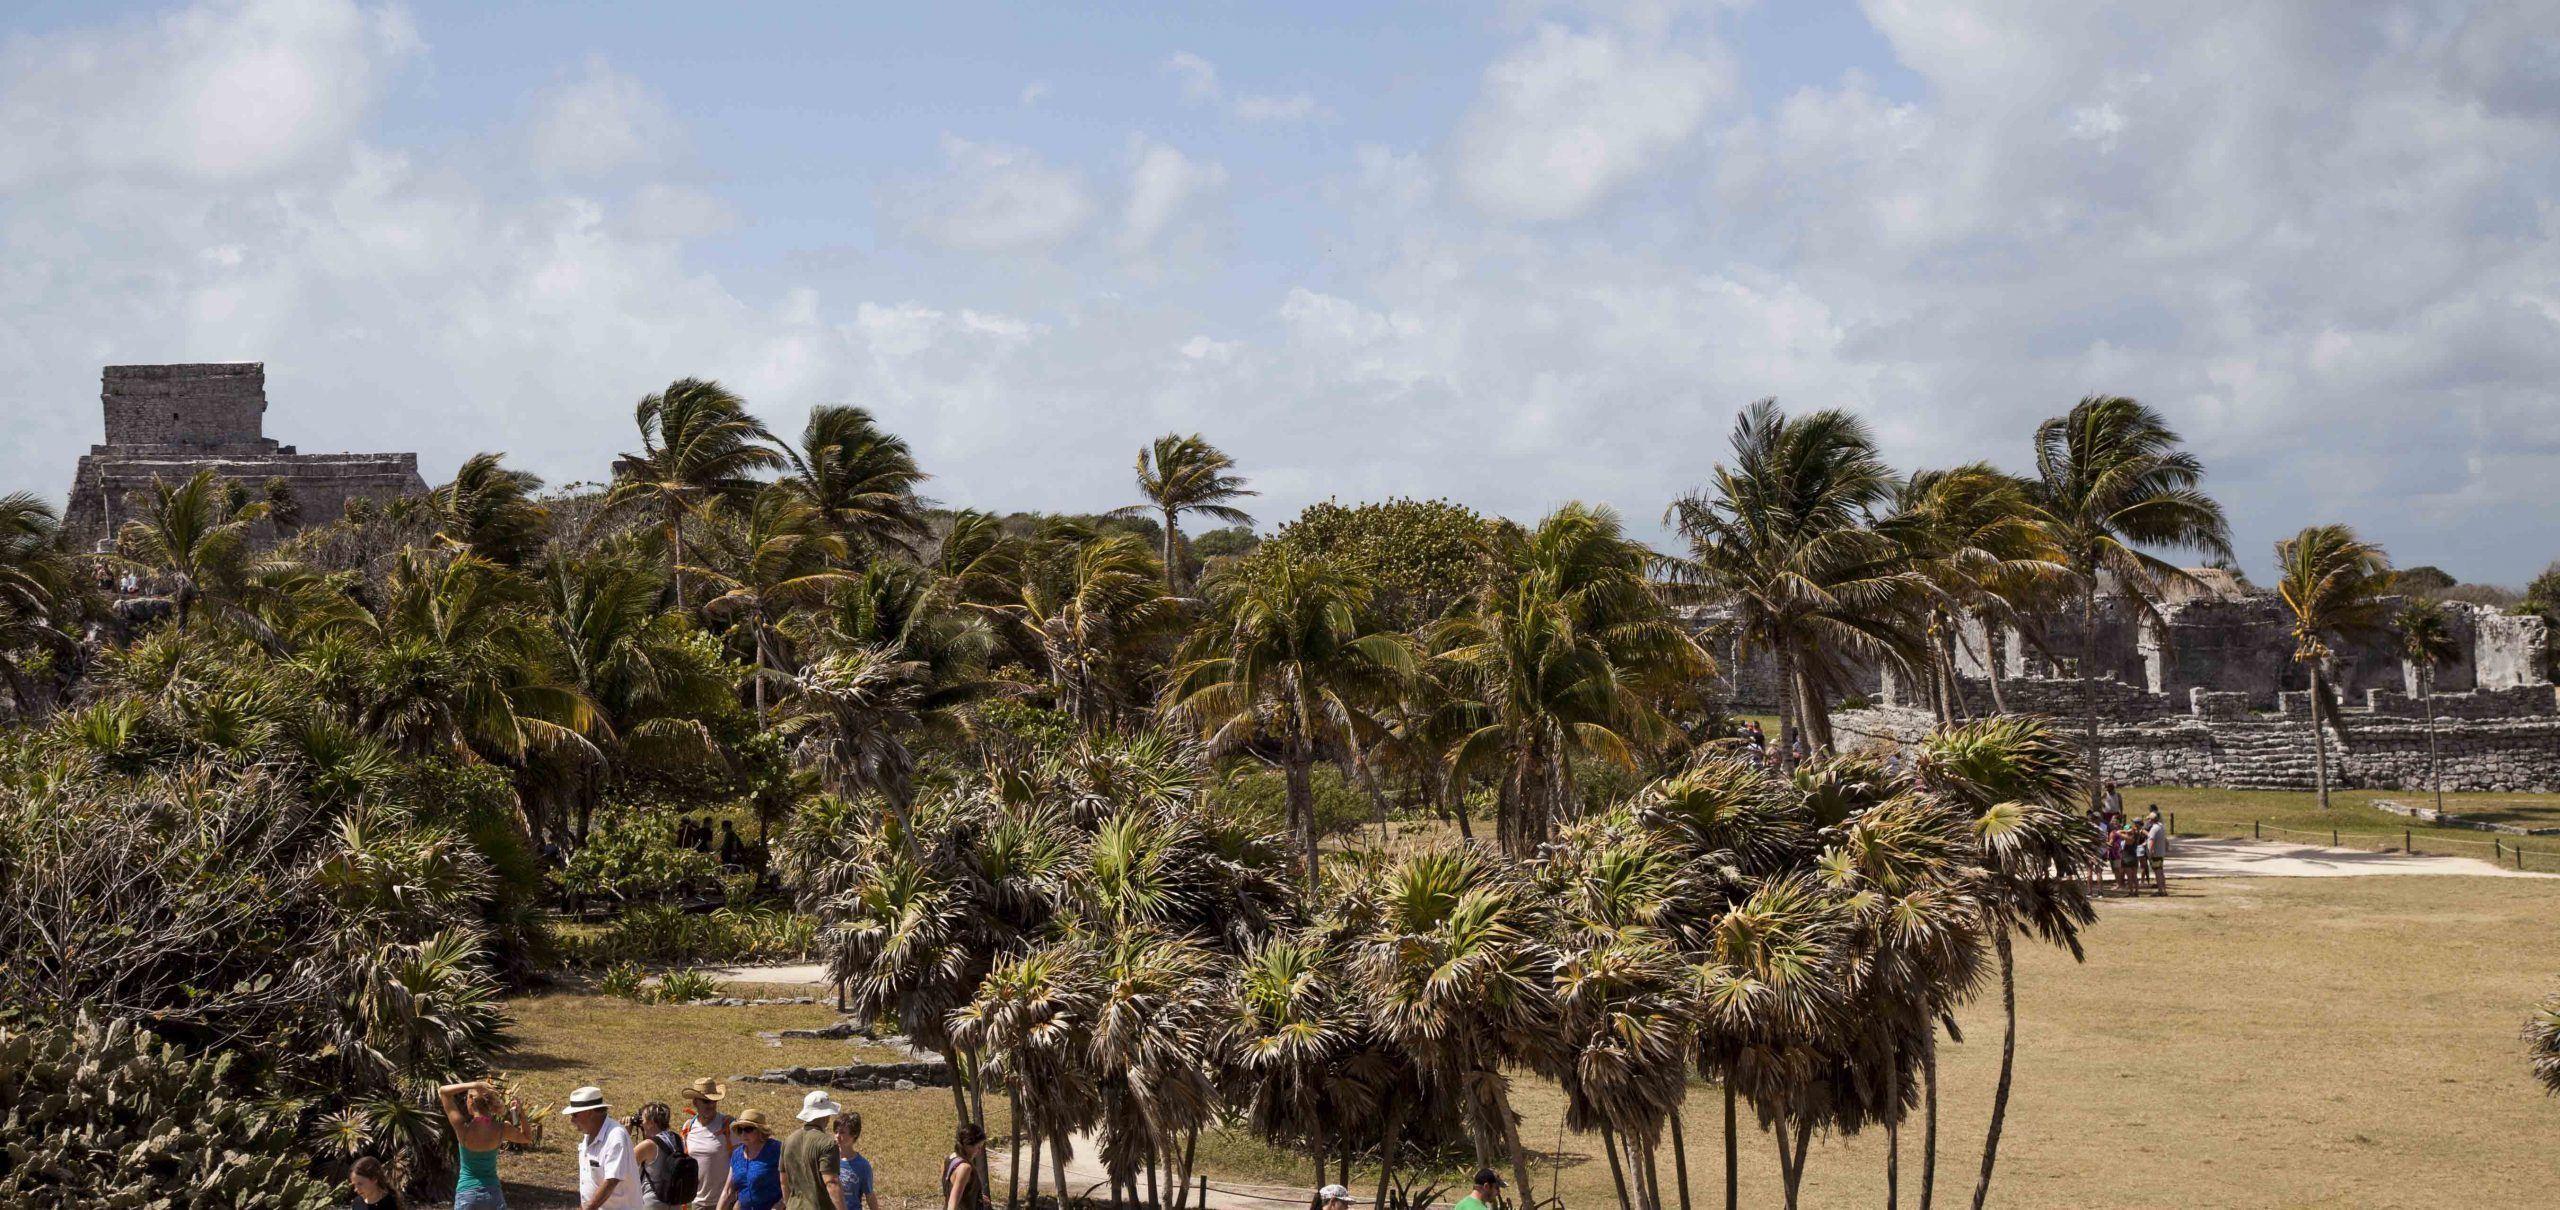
(1510, 253)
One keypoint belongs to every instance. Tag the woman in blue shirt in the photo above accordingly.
(755, 1166)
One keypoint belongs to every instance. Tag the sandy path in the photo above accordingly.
(2202, 858)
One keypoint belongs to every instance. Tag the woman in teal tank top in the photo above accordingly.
(478, 1129)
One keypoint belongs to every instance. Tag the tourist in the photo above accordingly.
(733, 850)
(755, 1165)
(474, 1111)
(608, 1178)
(372, 1186)
(706, 1137)
(669, 1178)
(1488, 1192)
(962, 1171)
(809, 1156)
(2155, 852)
(2114, 799)
(1333, 1197)
(854, 1178)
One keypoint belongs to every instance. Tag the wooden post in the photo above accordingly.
(2254, 833)
(2333, 838)
(2406, 846)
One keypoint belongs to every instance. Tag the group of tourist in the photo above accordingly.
(2129, 850)
(1759, 751)
(713, 1161)
(694, 832)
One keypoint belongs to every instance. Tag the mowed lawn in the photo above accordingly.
(2260, 1042)
(2358, 824)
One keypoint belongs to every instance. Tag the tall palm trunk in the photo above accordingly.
(1501, 1107)
(2008, 1060)
(2089, 683)
(2319, 737)
(1302, 804)
(1893, 1128)
(2435, 763)
(1617, 1176)
(1172, 555)
(1995, 648)
(1929, 1131)
(675, 548)
(1387, 1148)
(1786, 657)
(1732, 1150)
(1680, 1151)
(1058, 1168)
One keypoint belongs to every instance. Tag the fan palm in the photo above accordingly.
(1290, 1022)
(40, 589)
(1289, 657)
(489, 510)
(697, 444)
(1177, 475)
(1770, 993)
(1452, 972)
(2426, 641)
(2110, 480)
(1785, 542)
(1032, 1019)
(861, 477)
(2334, 585)
(2542, 1037)
(1153, 1046)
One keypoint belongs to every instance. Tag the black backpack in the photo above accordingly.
(672, 1176)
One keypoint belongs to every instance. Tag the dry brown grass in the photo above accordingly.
(2267, 1042)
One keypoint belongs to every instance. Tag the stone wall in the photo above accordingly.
(2511, 651)
(217, 405)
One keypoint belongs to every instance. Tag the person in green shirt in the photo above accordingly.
(809, 1157)
(1488, 1192)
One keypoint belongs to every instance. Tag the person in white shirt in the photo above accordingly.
(608, 1176)
(2155, 853)
(706, 1137)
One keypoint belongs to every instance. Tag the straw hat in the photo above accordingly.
(753, 1117)
(584, 1099)
(707, 1088)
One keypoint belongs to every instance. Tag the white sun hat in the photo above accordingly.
(584, 1099)
(818, 1105)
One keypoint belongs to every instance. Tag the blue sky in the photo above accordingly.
(1510, 253)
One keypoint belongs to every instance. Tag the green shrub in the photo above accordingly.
(109, 1115)
(625, 980)
(685, 987)
(1261, 796)
(633, 855)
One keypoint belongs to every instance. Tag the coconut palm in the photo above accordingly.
(2426, 641)
(1085, 610)
(190, 538)
(1288, 658)
(777, 554)
(40, 590)
(2110, 480)
(2013, 777)
(1975, 540)
(1785, 542)
(652, 689)
(1451, 971)
(464, 666)
(1177, 475)
(861, 477)
(489, 510)
(697, 444)
(2334, 585)
(977, 563)
(1562, 656)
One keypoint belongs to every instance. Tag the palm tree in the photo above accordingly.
(1178, 475)
(2334, 584)
(1786, 543)
(1769, 992)
(1563, 656)
(1451, 972)
(651, 690)
(1153, 1044)
(1289, 1024)
(489, 510)
(40, 587)
(697, 444)
(2110, 479)
(465, 667)
(1975, 540)
(188, 537)
(1084, 609)
(2542, 1036)
(2012, 776)
(1288, 657)
(2427, 642)
(861, 477)
(777, 554)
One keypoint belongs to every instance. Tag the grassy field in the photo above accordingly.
(2208, 812)
(2269, 1042)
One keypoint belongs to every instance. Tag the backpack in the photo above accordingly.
(672, 1176)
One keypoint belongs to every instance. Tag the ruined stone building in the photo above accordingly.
(2212, 696)
(170, 421)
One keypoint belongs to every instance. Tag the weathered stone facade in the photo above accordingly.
(170, 421)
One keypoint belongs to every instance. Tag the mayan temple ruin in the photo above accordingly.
(170, 421)
(2211, 695)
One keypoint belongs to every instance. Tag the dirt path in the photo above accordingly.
(2213, 858)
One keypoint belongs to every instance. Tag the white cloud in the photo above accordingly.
(1034, 93)
(1295, 107)
(1567, 118)
(595, 123)
(994, 198)
(1163, 185)
(214, 92)
(1201, 86)
(1199, 76)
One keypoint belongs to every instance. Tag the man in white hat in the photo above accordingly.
(1333, 1197)
(608, 1178)
(809, 1179)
